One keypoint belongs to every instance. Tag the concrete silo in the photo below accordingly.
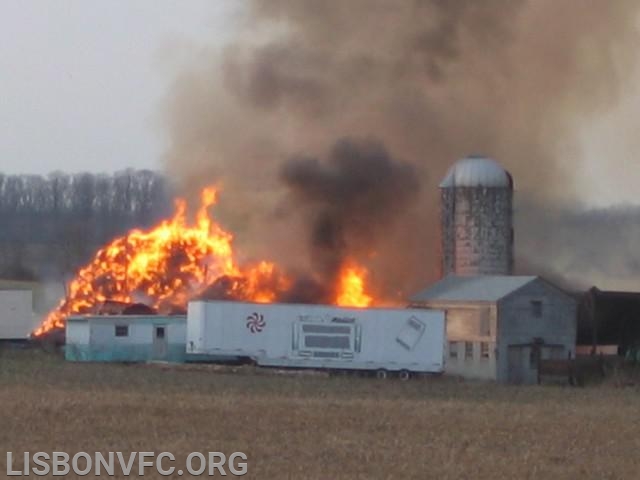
(477, 218)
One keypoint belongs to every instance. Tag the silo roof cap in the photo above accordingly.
(477, 171)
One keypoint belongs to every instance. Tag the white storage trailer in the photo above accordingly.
(16, 314)
(317, 336)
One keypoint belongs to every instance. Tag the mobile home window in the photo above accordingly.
(468, 349)
(453, 350)
(160, 332)
(122, 330)
(484, 350)
(536, 308)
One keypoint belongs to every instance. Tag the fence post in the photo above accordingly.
(570, 372)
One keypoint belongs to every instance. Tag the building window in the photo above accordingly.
(122, 330)
(536, 308)
(468, 349)
(453, 350)
(485, 329)
(484, 349)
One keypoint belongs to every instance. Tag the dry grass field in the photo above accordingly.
(320, 427)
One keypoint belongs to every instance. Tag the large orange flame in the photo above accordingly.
(176, 261)
(351, 291)
(165, 267)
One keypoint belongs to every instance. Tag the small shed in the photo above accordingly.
(126, 338)
(16, 315)
(499, 327)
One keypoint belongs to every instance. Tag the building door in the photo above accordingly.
(522, 364)
(160, 343)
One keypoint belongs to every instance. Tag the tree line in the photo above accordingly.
(50, 225)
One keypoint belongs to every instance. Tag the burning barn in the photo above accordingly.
(125, 338)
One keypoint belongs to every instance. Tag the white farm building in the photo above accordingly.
(498, 327)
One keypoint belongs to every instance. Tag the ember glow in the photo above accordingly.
(176, 261)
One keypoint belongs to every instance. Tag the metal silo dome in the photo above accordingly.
(477, 171)
(476, 199)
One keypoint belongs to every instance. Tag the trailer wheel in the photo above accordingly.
(404, 375)
(381, 374)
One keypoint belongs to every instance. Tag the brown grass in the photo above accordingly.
(320, 427)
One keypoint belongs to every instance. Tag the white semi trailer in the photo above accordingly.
(318, 336)
(16, 315)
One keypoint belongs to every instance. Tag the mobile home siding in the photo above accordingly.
(94, 338)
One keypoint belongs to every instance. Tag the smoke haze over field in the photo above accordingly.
(425, 82)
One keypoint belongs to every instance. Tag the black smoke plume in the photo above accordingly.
(348, 200)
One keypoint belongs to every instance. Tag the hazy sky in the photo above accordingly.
(81, 82)
(82, 85)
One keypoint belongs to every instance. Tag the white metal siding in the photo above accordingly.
(386, 338)
(16, 314)
(176, 332)
(196, 325)
(103, 331)
(77, 333)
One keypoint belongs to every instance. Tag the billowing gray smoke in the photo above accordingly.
(430, 81)
(586, 246)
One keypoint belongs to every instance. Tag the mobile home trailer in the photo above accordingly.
(316, 336)
(125, 338)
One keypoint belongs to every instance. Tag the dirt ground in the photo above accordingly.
(315, 426)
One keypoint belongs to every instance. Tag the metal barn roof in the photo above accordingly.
(481, 288)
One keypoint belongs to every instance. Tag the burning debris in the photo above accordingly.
(112, 307)
(175, 262)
